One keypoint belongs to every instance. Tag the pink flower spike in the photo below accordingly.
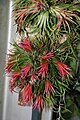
(63, 69)
(25, 44)
(27, 94)
(43, 69)
(48, 87)
(47, 56)
(25, 71)
(38, 103)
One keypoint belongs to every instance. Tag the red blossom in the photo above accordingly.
(33, 77)
(15, 75)
(47, 56)
(25, 44)
(63, 69)
(38, 103)
(27, 94)
(25, 70)
(11, 85)
(48, 87)
(43, 69)
(8, 68)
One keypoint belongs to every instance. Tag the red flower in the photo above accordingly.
(38, 103)
(8, 68)
(43, 69)
(15, 75)
(48, 87)
(25, 44)
(11, 85)
(33, 77)
(25, 71)
(47, 56)
(63, 69)
(27, 94)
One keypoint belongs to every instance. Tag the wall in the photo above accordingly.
(4, 8)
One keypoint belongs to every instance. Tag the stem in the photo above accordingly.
(71, 48)
(59, 111)
(36, 115)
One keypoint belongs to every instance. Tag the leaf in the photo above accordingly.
(64, 85)
(73, 64)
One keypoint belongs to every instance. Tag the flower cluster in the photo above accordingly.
(35, 83)
(41, 66)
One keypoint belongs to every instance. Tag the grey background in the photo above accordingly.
(3, 46)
